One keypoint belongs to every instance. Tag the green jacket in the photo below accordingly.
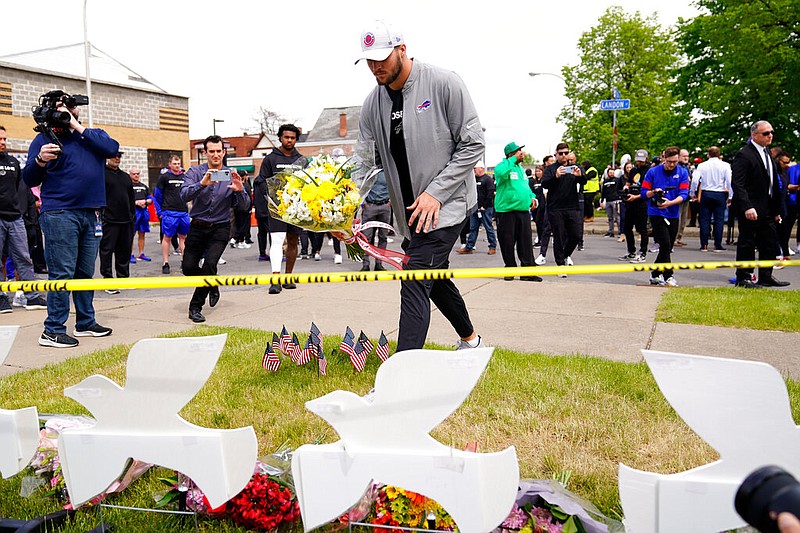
(513, 192)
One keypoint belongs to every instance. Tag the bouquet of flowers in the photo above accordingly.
(324, 195)
(399, 507)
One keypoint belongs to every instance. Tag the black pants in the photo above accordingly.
(543, 231)
(116, 241)
(785, 229)
(514, 229)
(566, 227)
(665, 230)
(241, 224)
(263, 233)
(754, 234)
(636, 217)
(317, 240)
(205, 243)
(430, 251)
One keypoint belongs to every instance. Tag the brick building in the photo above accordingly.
(149, 123)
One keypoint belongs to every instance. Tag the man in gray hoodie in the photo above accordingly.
(428, 136)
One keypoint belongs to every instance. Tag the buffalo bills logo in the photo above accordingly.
(369, 39)
(424, 106)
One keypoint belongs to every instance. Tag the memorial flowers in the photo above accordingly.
(399, 507)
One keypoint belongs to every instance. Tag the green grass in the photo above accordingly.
(575, 416)
(731, 307)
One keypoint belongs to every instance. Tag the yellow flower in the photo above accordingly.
(327, 191)
(309, 192)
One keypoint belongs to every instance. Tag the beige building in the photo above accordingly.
(149, 123)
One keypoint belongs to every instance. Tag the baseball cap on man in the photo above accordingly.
(511, 148)
(641, 155)
(378, 39)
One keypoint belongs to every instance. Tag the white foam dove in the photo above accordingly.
(141, 421)
(741, 409)
(384, 437)
(19, 428)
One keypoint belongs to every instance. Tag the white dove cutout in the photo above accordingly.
(141, 421)
(385, 438)
(19, 428)
(740, 408)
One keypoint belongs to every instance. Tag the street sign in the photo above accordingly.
(615, 93)
(614, 105)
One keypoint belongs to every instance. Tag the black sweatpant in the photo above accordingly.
(566, 227)
(636, 217)
(514, 229)
(430, 251)
(665, 230)
(116, 241)
(207, 243)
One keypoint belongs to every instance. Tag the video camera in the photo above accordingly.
(47, 115)
(658, 195)
(767, 492)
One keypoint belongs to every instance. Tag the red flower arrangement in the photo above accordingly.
(264, 504)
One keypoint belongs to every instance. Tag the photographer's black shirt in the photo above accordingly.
(397, 145)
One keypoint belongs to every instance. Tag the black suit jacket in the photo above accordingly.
(751, 183)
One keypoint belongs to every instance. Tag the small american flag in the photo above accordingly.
(304, 354)
(276, 342)
(348, 344)
(316, 336)
(382, 351)
(293, 348)
(363, 339)
(322, 362)
(359, 357)
(270, 361)
(285, 342)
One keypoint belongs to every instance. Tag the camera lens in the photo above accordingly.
(768, 489)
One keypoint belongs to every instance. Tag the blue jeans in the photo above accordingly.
(475, 224)
(70, 252)
(712, 203)
(13, 235)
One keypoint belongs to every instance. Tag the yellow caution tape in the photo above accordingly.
(175, 282)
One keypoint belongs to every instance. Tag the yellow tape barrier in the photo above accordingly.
(175, 282)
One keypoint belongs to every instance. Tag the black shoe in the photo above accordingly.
(36, 303)
(379, 268)
(747, 284)
(95, 330)
(57, 340)
(213, 297)
(275, 289)
(530, 278)
(365, 268)
(5, 307)
(289, 286)
(165, 268)
(40, 271)
(196, 316)
(772, 282)
(508, 278)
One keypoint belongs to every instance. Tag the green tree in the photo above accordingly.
(634, 55)
(743, 58)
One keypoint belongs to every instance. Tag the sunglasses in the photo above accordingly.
(767, 133)
(562, 153)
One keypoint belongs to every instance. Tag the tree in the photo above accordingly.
(742, 62)
(269, 121)
(631, 54)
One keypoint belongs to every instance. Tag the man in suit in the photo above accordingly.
(757, 195)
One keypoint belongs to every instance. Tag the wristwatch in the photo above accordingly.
(40, 160)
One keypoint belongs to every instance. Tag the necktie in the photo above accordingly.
(768, 164)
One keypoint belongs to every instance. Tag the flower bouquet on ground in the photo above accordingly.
(324, 196)
(547, 507)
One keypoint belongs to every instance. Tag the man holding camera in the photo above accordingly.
(562, 180)
(213, 190)
(666, 186)
(68, 161)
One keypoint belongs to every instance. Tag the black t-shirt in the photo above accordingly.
(119, 197)
(397, 145)
(140, 191)
(10, 176)
(170, 186)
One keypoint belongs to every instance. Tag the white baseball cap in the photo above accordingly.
(378, 39)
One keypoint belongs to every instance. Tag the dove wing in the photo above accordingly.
(7, 336)
(736, 406)
(174, 369)
(426, 386)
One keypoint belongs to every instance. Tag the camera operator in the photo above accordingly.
(666, 186)
(68, 161)
(635, 210)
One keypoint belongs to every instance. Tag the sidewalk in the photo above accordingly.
(554, 318)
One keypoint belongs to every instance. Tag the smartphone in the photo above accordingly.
(569, 169)
(221, 175)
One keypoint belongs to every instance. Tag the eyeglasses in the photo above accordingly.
(562, 153)
(767, 133)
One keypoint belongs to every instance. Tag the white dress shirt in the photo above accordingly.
(712, 175)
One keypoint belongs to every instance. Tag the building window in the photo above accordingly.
(157, 160)
(5, 98)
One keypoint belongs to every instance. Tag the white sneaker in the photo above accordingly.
(242, 245)
(317, 257)
(337, 259)
(670, 281)
(464, 345)
(562, 275)
(222, 261)
(568, 261)
(232, 242)
(658, 280)
(540, 260)
(19, 299)
(791, 251)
